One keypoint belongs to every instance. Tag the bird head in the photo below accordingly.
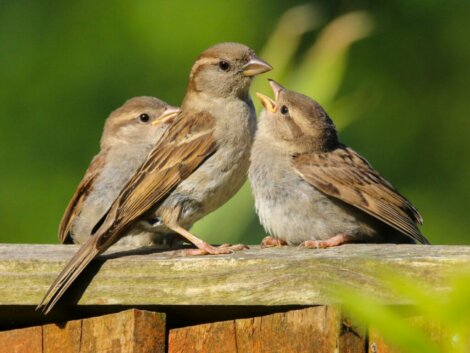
(138, 120)
(294, 119)
(226, 70)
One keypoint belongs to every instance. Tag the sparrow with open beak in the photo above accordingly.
(200, 162)
(130, 132)
(311, 190)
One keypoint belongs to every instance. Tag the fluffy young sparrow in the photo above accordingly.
(199, 163)
(130, 132)
(312, 190)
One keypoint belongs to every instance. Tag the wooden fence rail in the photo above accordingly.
(258, 300)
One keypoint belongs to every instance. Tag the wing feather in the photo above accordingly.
(75, 205)
(183, 147)
(344, 174)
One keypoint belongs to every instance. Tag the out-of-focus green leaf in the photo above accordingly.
(433, 321)
(283, 44)
(395, 330)
(322, 69)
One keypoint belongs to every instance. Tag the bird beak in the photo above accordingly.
(255, 67)
(276, 87)
(267, 102)
(169, 114)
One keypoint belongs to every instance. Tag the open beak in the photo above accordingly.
(267, 102)
(276, 87)
(168, 115)
(255, 67)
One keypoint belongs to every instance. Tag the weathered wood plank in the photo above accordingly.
(217, 337)
(28, 340)
(285, 276)
(62, 337)
(131, 331)
(316, 329)
(353, 337)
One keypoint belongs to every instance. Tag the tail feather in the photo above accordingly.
(72, 270)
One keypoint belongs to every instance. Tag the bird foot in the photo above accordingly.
(270, 242)
(207, 249)
(203, 248)
(323, 244)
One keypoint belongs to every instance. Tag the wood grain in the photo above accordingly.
(28, 340)
(353, 337)
(131, 331)
(65, 337)
(284, 276)
(316, 329)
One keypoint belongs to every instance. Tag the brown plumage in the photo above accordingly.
(188, 142)
(343, 174)
(129, 134)
(200, 162)
(76, 203)
(328, 193)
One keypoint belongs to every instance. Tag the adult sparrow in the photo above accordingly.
(312, 190)
(130, 132)
(199, 163)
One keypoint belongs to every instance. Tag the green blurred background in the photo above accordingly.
(393, 75)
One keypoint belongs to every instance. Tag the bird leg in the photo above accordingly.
(337, 240)
(204, 248)
(270, 242)
(170, 217)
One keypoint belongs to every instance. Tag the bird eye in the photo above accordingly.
(144, 118)
(284, 110)
(225, 66)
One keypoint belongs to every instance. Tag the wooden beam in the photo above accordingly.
(128, 331)
(317, 329)
(262, 277)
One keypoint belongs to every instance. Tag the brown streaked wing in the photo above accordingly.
(345, 175)
(183, 147)
(75, 205)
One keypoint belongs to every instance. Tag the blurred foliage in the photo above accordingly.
(436, 323)
(394, 76)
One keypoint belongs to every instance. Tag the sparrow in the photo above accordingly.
(312, 190)
(198, 164)
(130, 132)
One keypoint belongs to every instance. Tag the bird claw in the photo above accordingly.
(337, 240)
(236, 247)
(270, 242)
(207, 249)
(313, 244)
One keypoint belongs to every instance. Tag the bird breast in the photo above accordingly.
(222, 174)
(288, 207)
